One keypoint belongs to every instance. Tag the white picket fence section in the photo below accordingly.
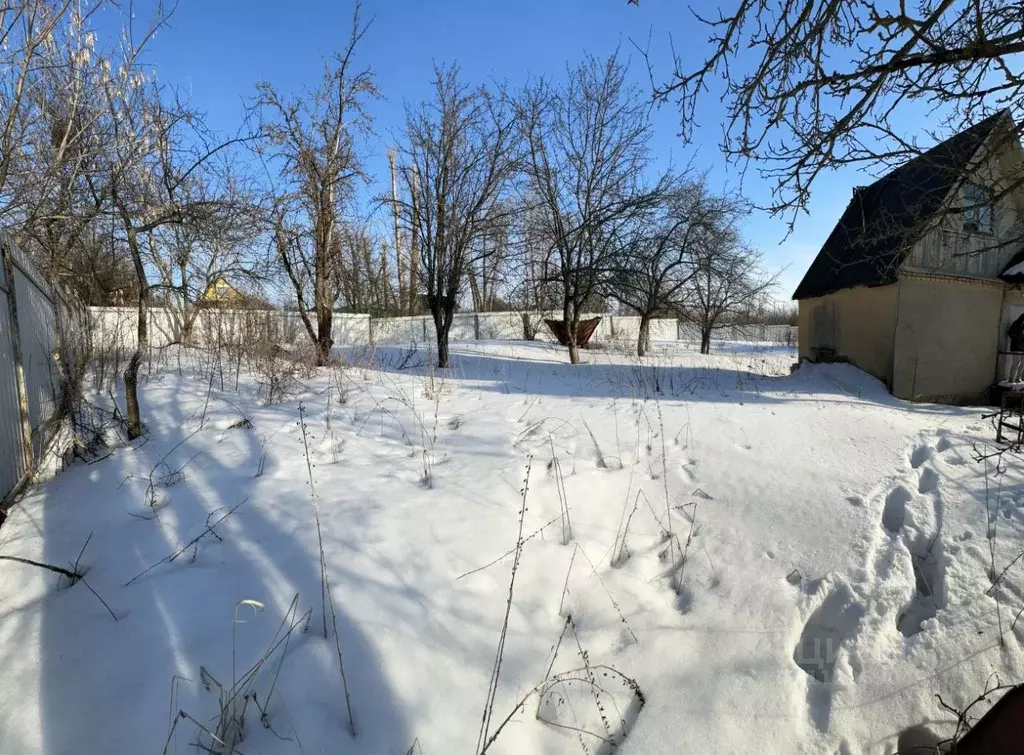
(30, 384)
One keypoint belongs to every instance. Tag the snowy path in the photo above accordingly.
(834, 579)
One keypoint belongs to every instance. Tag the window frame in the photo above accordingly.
(979, 209)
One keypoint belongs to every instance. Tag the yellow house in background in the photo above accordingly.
(220, 292)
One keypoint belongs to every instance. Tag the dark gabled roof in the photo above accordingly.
(884, 220)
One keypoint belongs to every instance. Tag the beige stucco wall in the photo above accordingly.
(1013, 306)
(856, 323)
(947, 338)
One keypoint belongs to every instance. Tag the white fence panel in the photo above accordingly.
(117, 327)
(401, 330)
(464, 327)
(39, 314)
(663, 329)
(780, 334)
(11, 441)
(39, 341)
(501, 326)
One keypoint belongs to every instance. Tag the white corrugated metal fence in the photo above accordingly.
(31, 317)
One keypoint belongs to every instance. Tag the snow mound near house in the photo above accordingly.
(718, 557)
(845, 377)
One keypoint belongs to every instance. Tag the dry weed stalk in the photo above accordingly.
(326, 599)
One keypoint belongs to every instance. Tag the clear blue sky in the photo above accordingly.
(217, 50)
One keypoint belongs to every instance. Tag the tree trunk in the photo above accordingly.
(705, 340)
(574, 350)
(643, 341)
(474, 288)
(442, 324)
(324, 320)
(443, 360)
(571, 318)
(324, 341)
(529, 331)
(572, 331)
(131, 372)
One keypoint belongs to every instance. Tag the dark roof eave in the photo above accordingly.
(881, 284)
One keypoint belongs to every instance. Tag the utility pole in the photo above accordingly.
(414, 246)
(402, 298)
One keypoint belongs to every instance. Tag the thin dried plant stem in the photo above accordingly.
(664, 477)
(563, 499)
(568, 573)
(326, 599)
(341, 665)
(101, 600)
(483, 739)
(316, 516)
(611, 597)
(74, 576)
(508, 553)
(189, 544)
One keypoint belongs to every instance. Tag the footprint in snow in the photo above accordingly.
(928, 481)
(927, 560)
(920, 455)
(895, 509)
(834, 622)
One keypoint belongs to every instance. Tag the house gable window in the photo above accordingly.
(979, 209)
(222, 290)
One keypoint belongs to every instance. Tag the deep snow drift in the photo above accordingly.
(782, 563)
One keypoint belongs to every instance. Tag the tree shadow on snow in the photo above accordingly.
(736, 372)
(115, 687)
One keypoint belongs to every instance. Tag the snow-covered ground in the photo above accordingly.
(781, 563)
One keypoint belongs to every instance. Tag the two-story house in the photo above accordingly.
(920, 282)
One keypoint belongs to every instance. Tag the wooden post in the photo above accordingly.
(19, 369)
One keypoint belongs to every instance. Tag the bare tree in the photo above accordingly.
(660, 256)
(312, 141)
(366, 284)
(490, 266)
(189, 258)
(728, 280)
(40, 41)
(813, 86)
(586, 144)
(162, 169)
(458, 159)
(99, 161)
(50, 75)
